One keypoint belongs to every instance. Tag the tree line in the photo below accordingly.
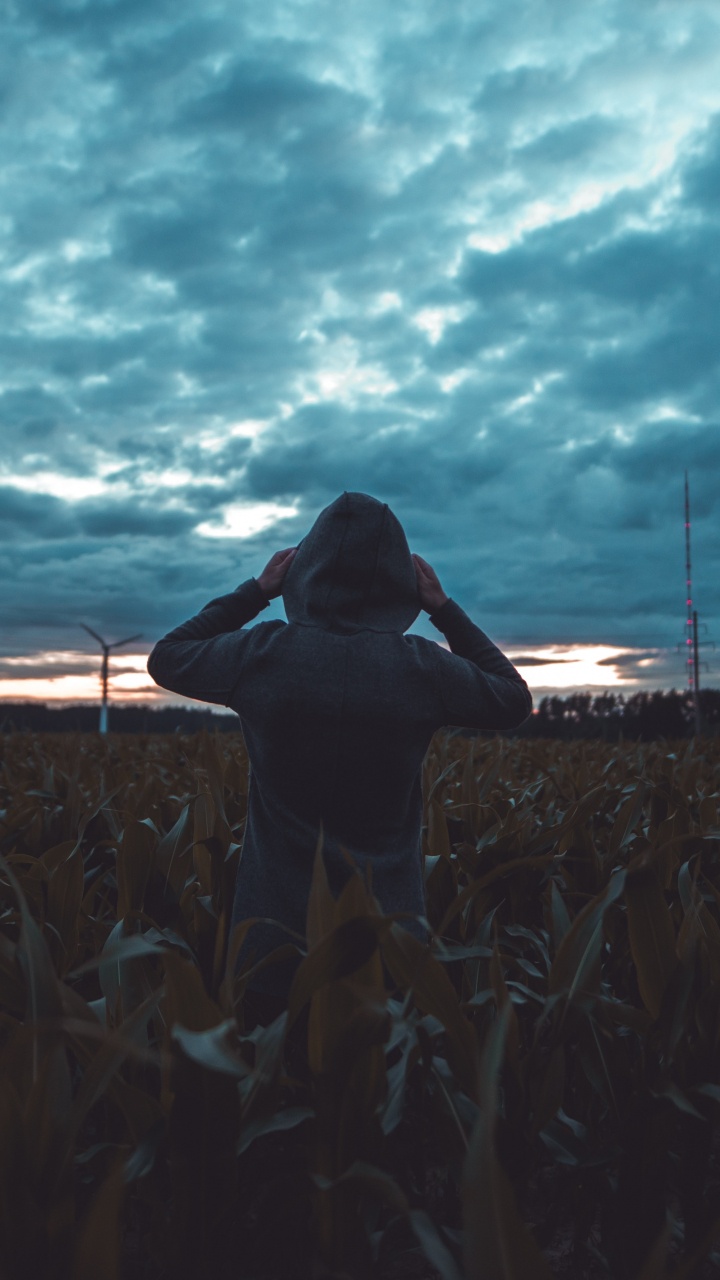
(610, 716)
(644, 716)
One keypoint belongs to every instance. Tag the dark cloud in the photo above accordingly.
(34, 517)
(631, 660)
(268, 97)
(467, 263)
(526, 660)
(701, 175)
(568, 144)
(112, 520)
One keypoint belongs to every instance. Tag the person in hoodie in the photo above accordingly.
(337, 706)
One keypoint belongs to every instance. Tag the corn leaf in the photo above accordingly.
(497, 1244)
(652, 937)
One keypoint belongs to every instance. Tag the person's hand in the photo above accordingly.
(271, 578)
(431, 593)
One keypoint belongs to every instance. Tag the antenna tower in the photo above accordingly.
(115, 644)
(692, 641)
(691, 632)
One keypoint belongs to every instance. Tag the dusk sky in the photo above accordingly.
(464, 257)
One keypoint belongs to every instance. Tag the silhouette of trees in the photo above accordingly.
(41, 718)
(644, 716)
(609, 716)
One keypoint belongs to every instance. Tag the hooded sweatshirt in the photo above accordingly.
(337, 707)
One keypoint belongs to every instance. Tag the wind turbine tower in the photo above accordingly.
(115, 644)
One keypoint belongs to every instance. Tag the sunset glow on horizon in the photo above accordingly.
(555, 669)
(568, 668)
(130, 681)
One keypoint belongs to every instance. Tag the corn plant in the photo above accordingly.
(533, 1094)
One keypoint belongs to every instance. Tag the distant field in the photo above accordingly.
(535, 1095)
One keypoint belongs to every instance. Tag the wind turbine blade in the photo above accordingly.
(93, 633)
(116, 643)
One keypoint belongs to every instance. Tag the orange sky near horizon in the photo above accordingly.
(555, 669)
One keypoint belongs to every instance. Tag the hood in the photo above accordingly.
(353, 571)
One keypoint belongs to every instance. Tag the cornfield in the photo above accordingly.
(534, 1094)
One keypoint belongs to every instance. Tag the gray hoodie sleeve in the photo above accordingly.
(480, 687)
(202, 657)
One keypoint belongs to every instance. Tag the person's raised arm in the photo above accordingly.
(480, 687)
(201, 658)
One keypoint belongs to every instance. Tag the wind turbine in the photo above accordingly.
(115, 644)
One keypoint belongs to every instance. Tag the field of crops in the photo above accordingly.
(536, 1094)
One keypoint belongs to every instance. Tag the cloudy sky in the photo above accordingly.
(462, 256)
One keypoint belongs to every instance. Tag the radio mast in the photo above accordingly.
(691, 633)
(692, 641)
